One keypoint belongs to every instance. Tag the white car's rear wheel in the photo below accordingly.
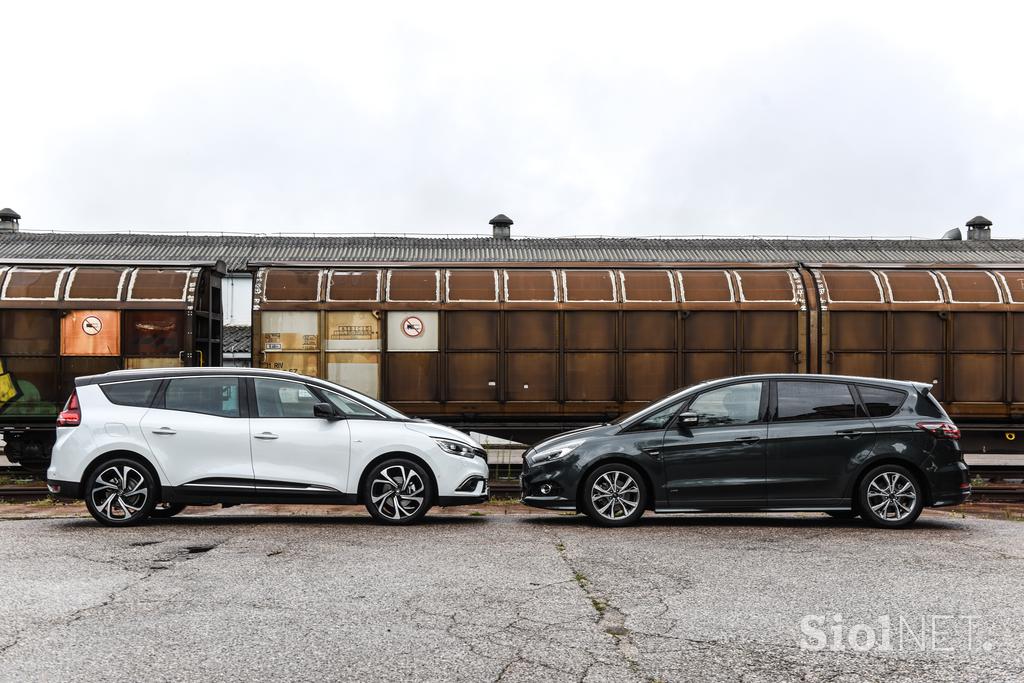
(120, 492)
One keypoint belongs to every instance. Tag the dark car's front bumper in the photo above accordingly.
(550, 485)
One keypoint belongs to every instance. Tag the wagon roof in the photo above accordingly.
(241, 250)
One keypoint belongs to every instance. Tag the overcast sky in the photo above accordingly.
(633, 118)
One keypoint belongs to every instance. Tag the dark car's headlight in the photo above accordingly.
(547, 454)
(458, 448)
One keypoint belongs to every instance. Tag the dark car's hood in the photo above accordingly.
(594, 430)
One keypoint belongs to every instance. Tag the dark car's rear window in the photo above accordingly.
(137, 394)
(927, 406)
(881, 402)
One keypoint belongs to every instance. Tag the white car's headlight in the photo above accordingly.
(548, 454)
(457, 448)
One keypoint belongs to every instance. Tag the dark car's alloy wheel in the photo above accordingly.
(890, 496)
(397, 492)
(120, 493)
(614, 495)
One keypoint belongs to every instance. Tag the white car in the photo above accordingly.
(141, 443)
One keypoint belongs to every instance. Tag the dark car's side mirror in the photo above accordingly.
(327, 412)
(687, 420)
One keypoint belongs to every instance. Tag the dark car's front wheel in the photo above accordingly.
(614, 495)
(397, 492)
(890, 496)
(120, 492)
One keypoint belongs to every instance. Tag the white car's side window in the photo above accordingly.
(207, 395)
(279, 398)
(350, 407)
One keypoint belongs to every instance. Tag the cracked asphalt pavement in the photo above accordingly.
(236, 597)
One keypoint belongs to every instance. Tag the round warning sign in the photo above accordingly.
(92, 325)
(412, 326)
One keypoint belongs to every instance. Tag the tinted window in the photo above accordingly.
(279, 398)
(207, 395)
(137, 394)
(884, 402)
(814, 401)
(659, 419)
(350, 407)
(734, 404)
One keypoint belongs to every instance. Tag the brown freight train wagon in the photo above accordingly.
(61, 320)
(523, 351)
(528, 350)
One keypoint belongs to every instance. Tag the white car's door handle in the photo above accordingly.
(266, 435)
(164, 430)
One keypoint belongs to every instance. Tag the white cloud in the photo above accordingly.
(573, 118)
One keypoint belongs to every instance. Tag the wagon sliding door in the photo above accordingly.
(352, 338)
(413, 333)
(650, 327)
(740, 322)
(472, 336)
(531, 335)
(290, 339)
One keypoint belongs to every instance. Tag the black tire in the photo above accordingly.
(843, 514)
(121, 492)
(165, 510)
(890, 496)
(393, 487)
(614, 495)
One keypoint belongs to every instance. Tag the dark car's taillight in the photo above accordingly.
(71, 416)
(940, 429)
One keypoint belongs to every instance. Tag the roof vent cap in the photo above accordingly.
(9, 220)
(979, 228)
(953, 234)
(502, 225)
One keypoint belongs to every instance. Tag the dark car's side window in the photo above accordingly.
(657, 420)
(280, 398)
(735, 404)
(206, 395)
(798, 401)
(883, 402)
(135, 394)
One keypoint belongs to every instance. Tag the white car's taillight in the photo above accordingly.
(71, 416)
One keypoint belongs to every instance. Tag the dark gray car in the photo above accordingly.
(847, 446)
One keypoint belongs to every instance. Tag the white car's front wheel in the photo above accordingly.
(397, 491)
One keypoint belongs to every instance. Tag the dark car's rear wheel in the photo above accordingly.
(890, 496)
(165, 510)
(614, 495)
(397, 491)
(121, 492)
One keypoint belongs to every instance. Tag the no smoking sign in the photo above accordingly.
(412, 326)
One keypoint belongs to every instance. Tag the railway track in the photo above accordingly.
(23, 493)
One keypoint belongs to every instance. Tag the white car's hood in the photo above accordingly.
(434, 430)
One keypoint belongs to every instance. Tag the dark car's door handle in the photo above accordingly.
(747, 439)
(849, 433)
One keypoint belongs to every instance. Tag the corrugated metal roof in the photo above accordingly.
(236, 339)
(238, 250)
